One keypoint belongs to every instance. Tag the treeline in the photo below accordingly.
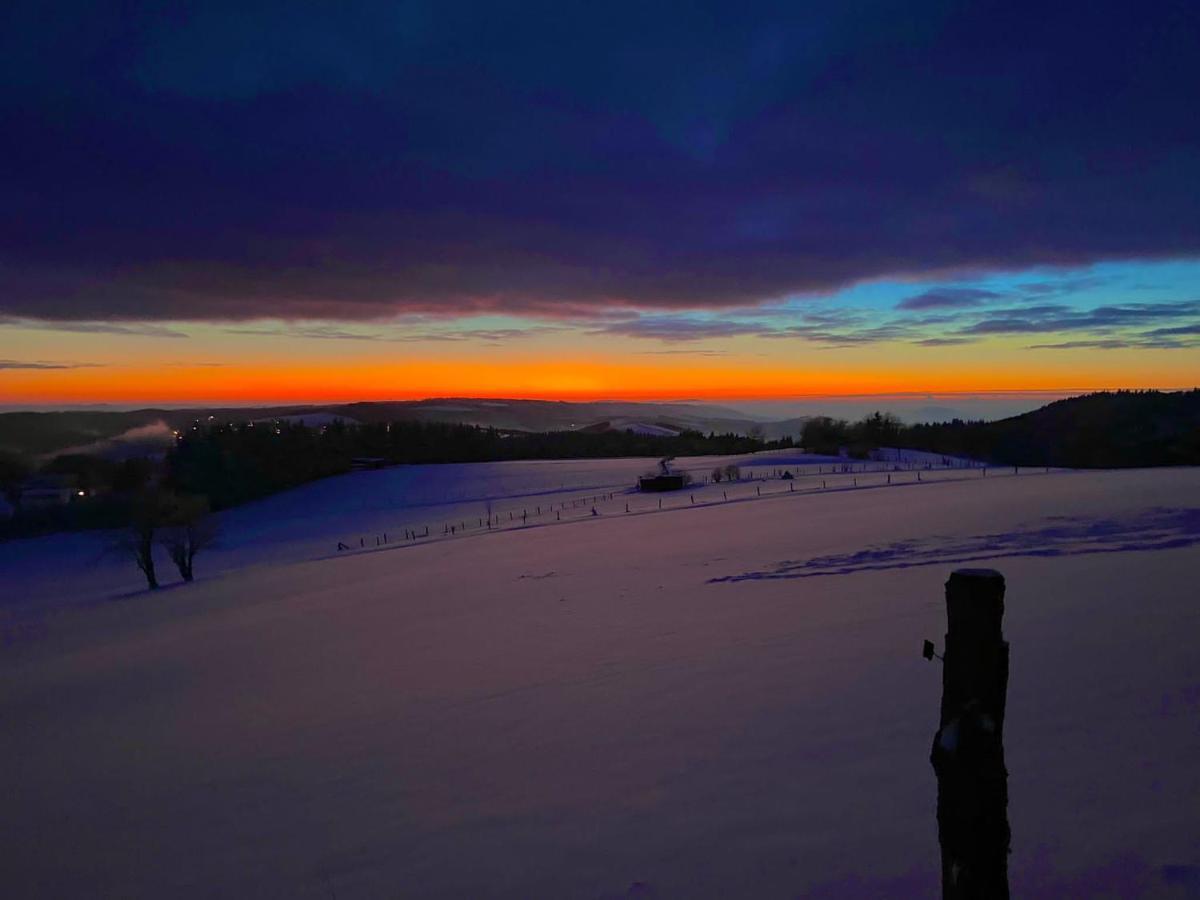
(110, 489)
(233, 463)
(823, 434)
(1120, 429)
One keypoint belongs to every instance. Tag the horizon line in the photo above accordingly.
(126, 406)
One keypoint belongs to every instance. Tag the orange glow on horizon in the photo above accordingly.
(330, 382)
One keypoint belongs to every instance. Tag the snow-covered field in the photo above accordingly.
(358, 509)
(722, 699)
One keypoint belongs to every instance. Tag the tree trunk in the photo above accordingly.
(146, 564)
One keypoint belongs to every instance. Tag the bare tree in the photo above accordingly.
(188, 529)
(732, 473)
(717, 475)
(146, 516)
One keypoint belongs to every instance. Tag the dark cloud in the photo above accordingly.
(326, 332)
(687, 352)
(947, 298)
(1177, 330)
(19, 364)
(819, 334)
(675, 328)
(358, 160)
(1135, 342)
(1105, 344)
(143, 329)
(1058, 318)
(1063, 286)
(831, 327)
(1114, 326)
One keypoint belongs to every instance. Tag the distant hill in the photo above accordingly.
(113, 433)
(1106, 430)
(1121, 429)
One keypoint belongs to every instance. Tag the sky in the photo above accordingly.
(267, 202)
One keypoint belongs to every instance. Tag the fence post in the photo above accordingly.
(968, 748)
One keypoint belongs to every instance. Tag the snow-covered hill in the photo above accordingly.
(724, 699)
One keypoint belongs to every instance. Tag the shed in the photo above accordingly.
(659, 483)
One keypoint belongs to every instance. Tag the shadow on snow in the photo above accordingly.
(1155, 529)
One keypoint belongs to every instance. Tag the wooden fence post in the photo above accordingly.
(968, 748)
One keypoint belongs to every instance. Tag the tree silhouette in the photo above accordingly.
(188, 528)
(149, 511)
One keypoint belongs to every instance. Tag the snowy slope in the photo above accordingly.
(720, 701)
(311, 520)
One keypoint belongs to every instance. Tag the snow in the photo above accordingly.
(361, 507)
(725, 699)
(653, 430)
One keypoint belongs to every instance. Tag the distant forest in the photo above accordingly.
(231, 464)
(1119, 429)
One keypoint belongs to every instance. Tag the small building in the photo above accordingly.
(47, 491)
(665, 480)
(659, 483)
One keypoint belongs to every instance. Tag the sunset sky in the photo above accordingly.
(230, 202)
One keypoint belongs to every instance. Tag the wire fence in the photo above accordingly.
(756, 483)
